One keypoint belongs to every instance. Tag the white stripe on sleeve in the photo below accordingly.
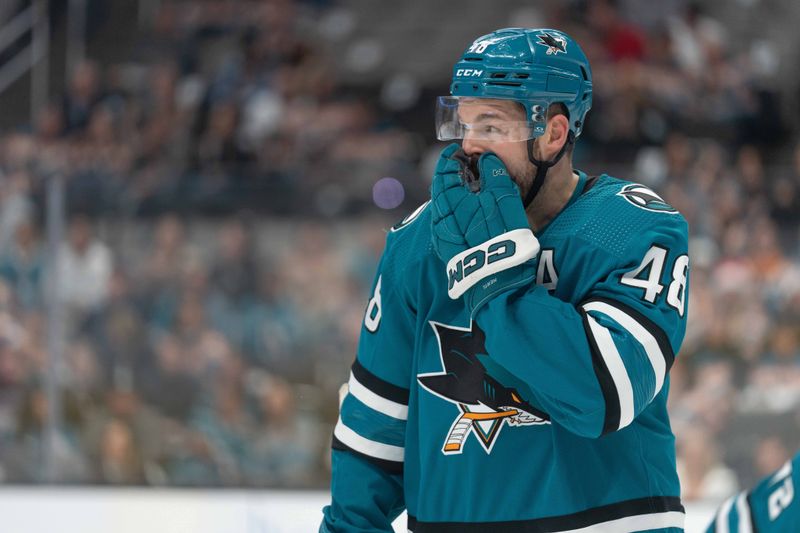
(366, 446)
(645, 522)
(376, 402)
(743, 510)
(610, 354)
(641, 334)
(722, 516)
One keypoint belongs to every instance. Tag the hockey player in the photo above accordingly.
(512, 370)
(771, 507)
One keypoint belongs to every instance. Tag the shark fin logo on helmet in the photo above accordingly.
(554, 43)
(484, 392)
(644, 198)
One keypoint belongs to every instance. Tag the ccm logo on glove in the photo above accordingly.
(495, 255)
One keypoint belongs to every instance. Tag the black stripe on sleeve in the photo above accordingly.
(607, 386)
(661, 338)
(380, 387)
(391, 467)
(579, 520)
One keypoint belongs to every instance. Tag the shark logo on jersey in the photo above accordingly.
(644, 198)
(554, 43)
(487, 395)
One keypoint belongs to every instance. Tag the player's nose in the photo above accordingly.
(472, 146)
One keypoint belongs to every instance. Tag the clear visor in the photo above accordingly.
(481, 120)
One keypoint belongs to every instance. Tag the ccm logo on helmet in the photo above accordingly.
(463, 72)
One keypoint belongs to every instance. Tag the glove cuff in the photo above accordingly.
(489, 258)
(506, 280)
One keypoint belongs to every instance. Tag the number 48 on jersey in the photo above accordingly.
(647, 276)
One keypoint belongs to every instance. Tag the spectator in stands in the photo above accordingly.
(271, 329)
(119, 334)
(85, 267)
(103, 161)
(22, 266)
(69, 460)
(286, 447)
(16, 205)
(220, 160)
(83, 94)
(770, 451)
(49, 132)
(203, 349)
(171, 386)
(15, 329)
(119, 462)
(784, 202)
(82, 371)
(13, 375)
(169, 250)
(702, 473)
(774, 382)
(621, 40)
(150, 430)
(234, 272)
(696, 38)
(190, 460)
(226, 426)
(233, 280)
(750, 168)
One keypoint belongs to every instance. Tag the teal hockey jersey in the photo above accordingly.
(548, 412)
(771, 507)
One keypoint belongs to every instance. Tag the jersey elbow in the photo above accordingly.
(586, 421)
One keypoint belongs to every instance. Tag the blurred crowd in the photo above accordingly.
(222, 239)
(198, 353)
(238, 109)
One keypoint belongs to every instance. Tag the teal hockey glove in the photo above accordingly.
(479, 227)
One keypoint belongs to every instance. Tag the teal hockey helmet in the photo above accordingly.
(535, 67)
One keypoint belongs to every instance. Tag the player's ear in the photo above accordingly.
(556, 134)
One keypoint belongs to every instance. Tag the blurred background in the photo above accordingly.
(194, 196)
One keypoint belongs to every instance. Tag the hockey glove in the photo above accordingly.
(479, 227)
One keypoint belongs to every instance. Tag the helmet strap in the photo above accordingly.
(542, 167)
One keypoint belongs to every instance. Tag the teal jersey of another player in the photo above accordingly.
(548, 411)
(771, 507)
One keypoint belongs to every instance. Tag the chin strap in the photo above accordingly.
(542, 167)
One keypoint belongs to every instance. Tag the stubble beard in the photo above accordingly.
(523, 175)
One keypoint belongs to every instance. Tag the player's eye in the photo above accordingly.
(490, 130)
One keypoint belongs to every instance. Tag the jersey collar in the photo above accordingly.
(578, 189)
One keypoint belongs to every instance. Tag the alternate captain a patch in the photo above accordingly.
(486, 394)
(644, 198)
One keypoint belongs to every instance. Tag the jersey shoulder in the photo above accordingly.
(414, 216)
(615, 215)
(772, 501)
(407, 243)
